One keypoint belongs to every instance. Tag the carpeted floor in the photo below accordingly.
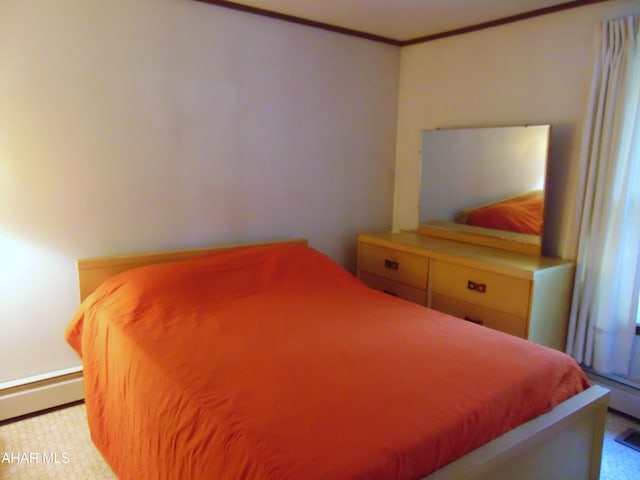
(52, 446)
(618, 461)
(56, 445)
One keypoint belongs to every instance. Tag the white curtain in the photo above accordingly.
(605, 299)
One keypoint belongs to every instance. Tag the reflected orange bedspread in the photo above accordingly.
(274, 363)
(521, 215)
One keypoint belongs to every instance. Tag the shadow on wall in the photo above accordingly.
(559, 176)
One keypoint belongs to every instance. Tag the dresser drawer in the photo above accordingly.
(395, 265)
(484, 316)
(480, 287)
(400, 290)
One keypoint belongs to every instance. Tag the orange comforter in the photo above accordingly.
(521, 215)
(274, 363)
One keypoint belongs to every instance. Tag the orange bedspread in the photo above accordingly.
(275, 363)
(521, 215)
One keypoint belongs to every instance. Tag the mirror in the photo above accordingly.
(486, 180)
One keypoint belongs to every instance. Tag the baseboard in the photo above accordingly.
(32, 396)
(624, 398)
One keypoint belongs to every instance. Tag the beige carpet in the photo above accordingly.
(618, 461)
(57, 446)
(53, 446)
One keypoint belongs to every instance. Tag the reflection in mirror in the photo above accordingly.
(486, 177)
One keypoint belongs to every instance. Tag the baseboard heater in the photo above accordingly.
(625, 394)
(40, 392)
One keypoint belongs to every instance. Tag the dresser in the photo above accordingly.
(523, 295)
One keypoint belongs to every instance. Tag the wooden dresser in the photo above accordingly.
(520, 294)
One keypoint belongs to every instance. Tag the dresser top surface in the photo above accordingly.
(459, 252)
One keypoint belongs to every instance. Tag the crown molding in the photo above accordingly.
(396, 42)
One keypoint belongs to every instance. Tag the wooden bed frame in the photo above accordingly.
(565, 443)
(93, 271)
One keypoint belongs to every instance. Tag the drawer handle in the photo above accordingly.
(389, 292)
(477, 287)
(393, 265)
(473, 320)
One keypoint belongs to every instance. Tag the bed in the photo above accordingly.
(272, 362)
(520, 214)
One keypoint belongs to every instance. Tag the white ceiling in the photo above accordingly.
(401, 19)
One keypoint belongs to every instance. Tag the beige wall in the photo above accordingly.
(130, 126)
(531, 72)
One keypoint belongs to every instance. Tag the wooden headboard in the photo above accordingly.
(93, 271)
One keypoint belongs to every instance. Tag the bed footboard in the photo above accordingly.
(563, 443)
